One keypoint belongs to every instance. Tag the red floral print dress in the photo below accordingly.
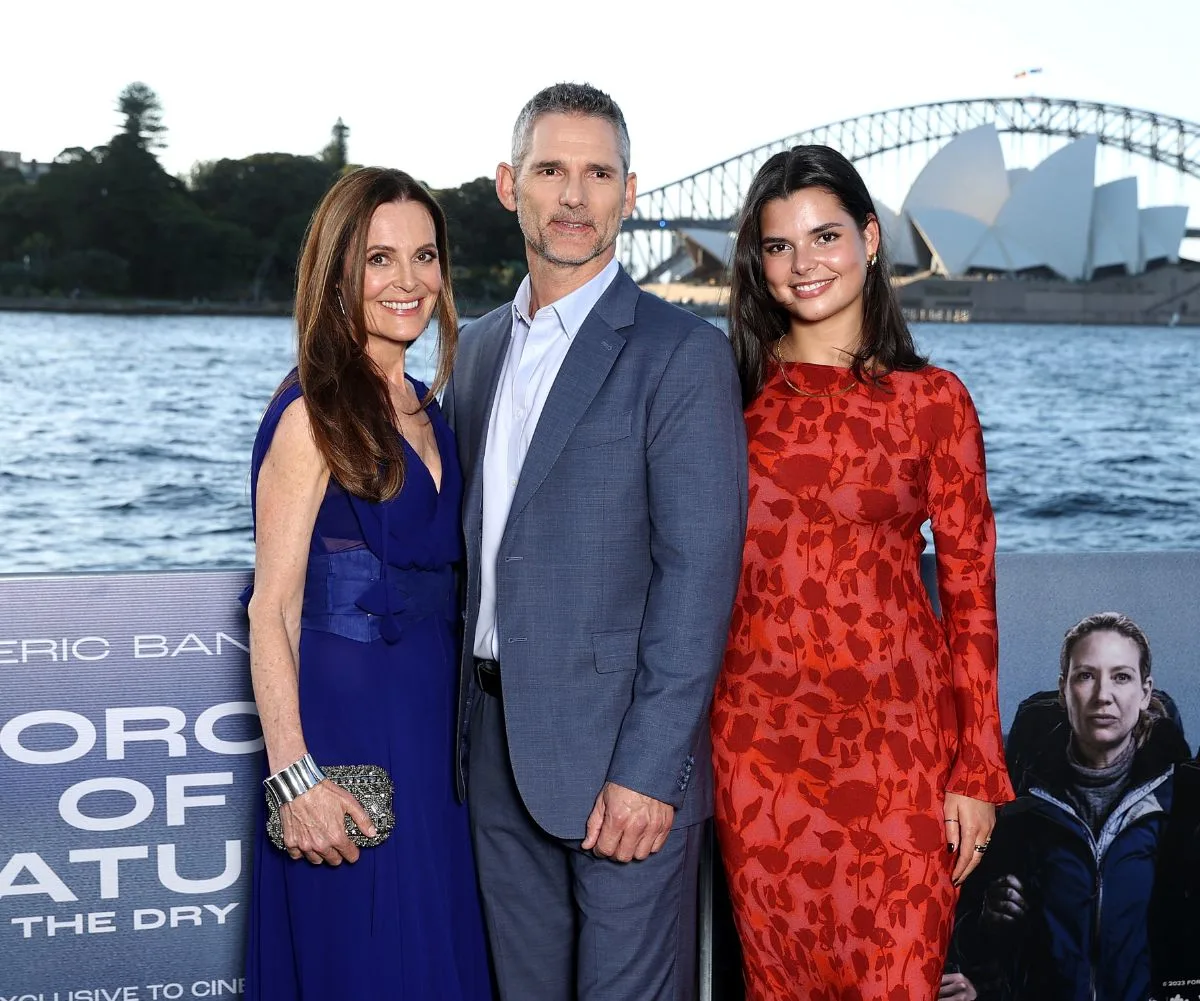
(845, 708)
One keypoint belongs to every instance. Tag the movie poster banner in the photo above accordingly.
(1090, 886)
(130, 770)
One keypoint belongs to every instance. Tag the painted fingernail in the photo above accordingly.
(950, 846)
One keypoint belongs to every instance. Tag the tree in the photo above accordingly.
(143, 116)
(110, 221)
(335, 153)
(487, 250)
(77, 154)
(91, 272)
(272, 196)
(483, 232)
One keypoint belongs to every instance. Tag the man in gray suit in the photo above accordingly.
(601, 437)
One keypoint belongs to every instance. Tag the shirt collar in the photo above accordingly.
(572, 309)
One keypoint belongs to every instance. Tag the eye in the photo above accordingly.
(548, 171)
(825, 239)
(1123, 677)
(603, 175)
(774, 248)
(378, 260)
(426, 256)
(1083, 675)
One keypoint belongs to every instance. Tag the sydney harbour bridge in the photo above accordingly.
(711, 198)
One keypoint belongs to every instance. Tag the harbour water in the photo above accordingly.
(125, 441)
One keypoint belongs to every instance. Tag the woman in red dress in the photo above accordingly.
(856, 735)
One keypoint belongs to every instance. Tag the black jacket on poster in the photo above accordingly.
(1175, 905)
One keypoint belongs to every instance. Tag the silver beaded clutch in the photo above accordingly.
(369, 784)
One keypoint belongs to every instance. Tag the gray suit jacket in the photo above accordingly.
(620, 558)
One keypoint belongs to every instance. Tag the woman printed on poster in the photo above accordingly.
(1061, 906)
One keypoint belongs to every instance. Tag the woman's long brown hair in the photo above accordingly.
(349, 406)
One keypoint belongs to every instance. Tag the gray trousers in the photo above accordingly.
(565, 925)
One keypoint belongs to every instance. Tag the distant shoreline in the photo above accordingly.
(141, 307)
(1165, 296)
(170, 307)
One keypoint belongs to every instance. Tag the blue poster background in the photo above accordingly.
(1039, 596)
(122, 654)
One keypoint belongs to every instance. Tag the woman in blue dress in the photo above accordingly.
(354, 617)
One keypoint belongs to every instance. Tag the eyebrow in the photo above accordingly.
(391, 250)
(559, 164)
(815, 231)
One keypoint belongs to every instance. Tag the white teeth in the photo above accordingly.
(403, 307)
(811, 286)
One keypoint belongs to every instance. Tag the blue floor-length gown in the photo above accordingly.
(378, 670)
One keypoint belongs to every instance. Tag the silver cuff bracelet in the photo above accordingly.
(288, 783)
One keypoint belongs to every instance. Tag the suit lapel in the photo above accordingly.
(486, 376)
(583, 372)
(584, 369)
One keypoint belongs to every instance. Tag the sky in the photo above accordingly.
(433, 87)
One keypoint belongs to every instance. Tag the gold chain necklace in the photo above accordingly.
(800, 392)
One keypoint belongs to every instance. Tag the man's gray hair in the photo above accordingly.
(568, 99)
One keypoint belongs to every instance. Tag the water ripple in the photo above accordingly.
(126, 440)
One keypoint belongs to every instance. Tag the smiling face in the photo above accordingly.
(570, 192)
(814, 259)
(1104, 693)
(402, 277)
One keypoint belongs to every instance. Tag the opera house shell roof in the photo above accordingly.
(967, 212)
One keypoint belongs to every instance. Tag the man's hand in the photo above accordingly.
(969, 823)
(956, 987)
(1004, 903)
(314, 824)
(625, 825)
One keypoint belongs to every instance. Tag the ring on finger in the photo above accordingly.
(981, 848)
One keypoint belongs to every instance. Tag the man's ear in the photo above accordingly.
(506, 186)
(630, 196)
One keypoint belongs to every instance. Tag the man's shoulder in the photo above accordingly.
(654, 309)
(669, 324)
(480, 326)
(477, 332)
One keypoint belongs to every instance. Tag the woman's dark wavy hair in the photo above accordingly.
(757, 321)
(349, 406)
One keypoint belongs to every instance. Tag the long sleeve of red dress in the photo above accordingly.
(964, 538)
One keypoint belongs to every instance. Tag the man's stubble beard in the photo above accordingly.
(537, 239)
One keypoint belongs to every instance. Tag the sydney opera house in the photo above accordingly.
(977, 241)
(967, 213)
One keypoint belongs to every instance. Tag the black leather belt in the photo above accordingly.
(487, 673)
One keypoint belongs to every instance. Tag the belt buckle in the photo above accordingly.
(487, 679)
